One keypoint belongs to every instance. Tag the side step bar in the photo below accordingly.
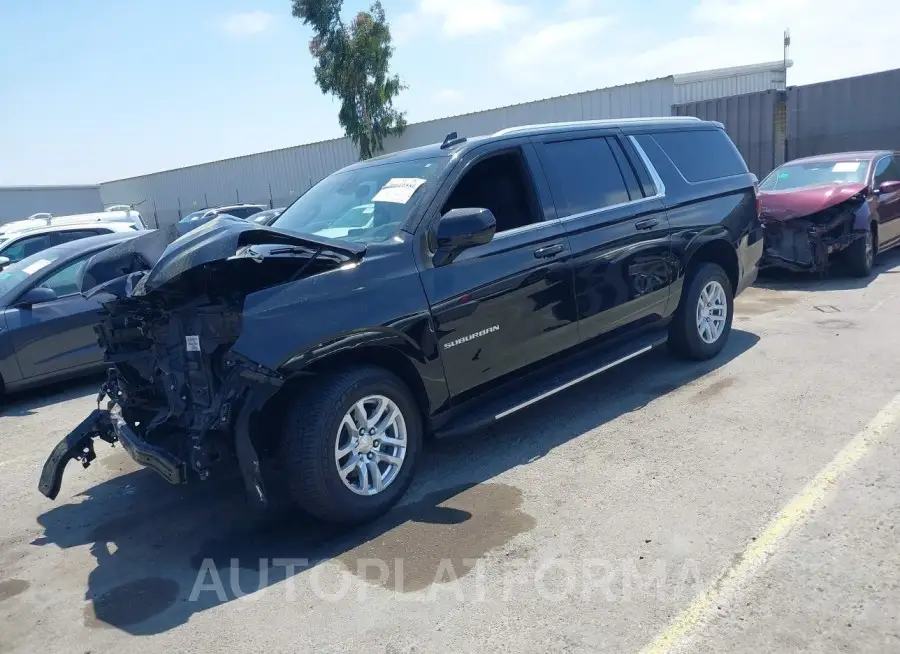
(542, 385)
(577, 380)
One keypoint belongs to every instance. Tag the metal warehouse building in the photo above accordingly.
(17, 202)
(279, 176)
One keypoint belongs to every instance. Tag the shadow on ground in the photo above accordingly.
(27, 403)
(836, 279)
(152, 541)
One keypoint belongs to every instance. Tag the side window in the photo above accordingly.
(583, 175)
(65, 281)
(76, 234)
(887, 170)
(502, 184)
(701, 155)
(26, 247)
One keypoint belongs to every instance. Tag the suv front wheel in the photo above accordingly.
(350, 445)
(702, 322)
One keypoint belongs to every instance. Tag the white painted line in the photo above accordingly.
(684, 626)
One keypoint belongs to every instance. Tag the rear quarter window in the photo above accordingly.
(701, 155)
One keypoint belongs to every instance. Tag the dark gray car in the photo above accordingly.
(46, 325)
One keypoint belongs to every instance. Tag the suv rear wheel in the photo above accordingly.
(702, 322)
(349, 447)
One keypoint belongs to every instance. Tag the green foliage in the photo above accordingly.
(352, 63)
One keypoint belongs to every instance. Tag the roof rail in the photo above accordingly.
(610, 122)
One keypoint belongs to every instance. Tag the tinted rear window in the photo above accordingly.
(701, 155)
(583, 175)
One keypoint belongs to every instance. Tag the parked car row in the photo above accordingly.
(431, 292)
(47, 327)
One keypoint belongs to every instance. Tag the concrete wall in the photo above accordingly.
(17, 202)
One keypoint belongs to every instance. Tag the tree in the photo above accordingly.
(352, 64)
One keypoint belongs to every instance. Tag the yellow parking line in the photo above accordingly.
(683, 626)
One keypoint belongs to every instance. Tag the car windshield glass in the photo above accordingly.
(815, 173)
(16, 273)
(366, 204)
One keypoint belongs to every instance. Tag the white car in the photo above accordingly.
(17, 244)
(39, 220)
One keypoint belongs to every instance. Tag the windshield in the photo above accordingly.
(364, 205)
(16, 273)
(815, 173)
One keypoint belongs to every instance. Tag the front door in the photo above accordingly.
(617, 228)
(887, 169)
(502, 306)
(57, 336)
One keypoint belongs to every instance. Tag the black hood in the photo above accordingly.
(167, 255)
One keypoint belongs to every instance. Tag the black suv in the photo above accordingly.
(423, 293)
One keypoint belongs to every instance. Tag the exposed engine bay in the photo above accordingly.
(805, 242)
(179, 399)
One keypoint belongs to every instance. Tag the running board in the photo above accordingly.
(547, 385)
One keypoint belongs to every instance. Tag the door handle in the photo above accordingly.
(650, 223)
(548, 251)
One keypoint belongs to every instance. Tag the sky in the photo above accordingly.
(96, 90)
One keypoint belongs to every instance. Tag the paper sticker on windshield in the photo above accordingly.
(398, 190)
(192, 343)
(37, 265)
(846, 167)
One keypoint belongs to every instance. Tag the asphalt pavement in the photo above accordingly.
(750, 503)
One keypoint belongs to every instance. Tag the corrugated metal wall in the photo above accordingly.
(751, 121)
(720, 87)
(278, 175)
(17, 202)
(292, 170)
(855, 113)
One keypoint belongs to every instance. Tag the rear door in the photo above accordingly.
(57, 336)
(617, 227)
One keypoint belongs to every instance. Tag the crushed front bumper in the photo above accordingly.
(802, 246)
(111, 427)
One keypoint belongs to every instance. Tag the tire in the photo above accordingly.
(685, 337)
(861, 255)
(313, 427)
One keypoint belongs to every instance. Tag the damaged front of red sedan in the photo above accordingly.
(817, 208)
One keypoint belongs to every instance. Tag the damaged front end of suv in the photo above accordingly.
(805, 228)
(180, 394)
